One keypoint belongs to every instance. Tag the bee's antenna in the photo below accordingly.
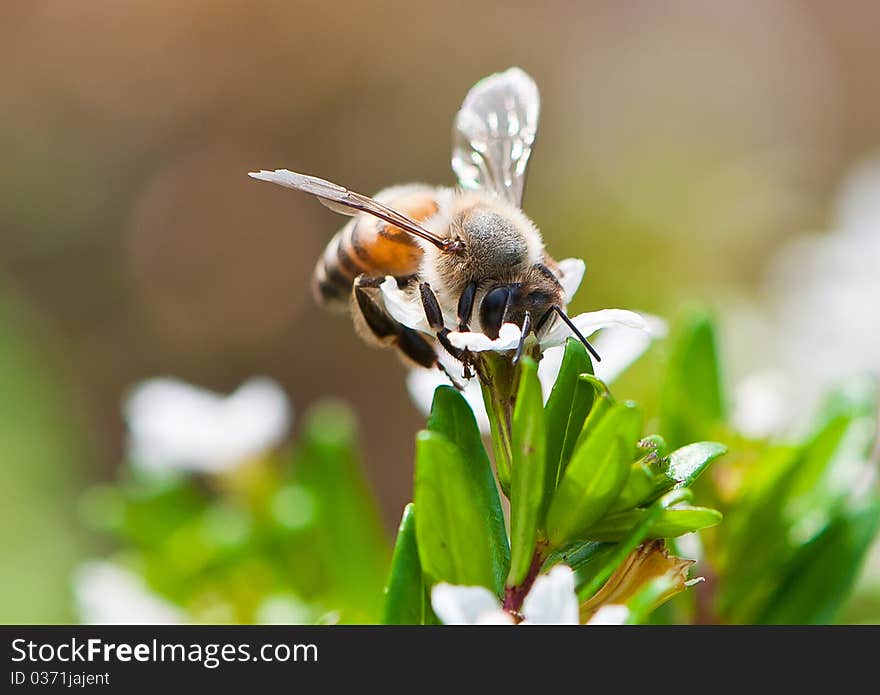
(574, 329)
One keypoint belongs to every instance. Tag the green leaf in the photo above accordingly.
(655, 443)
(693, 399)
(688, 462)
(602, 402)
(405, 591)
(596, 474)
(670, 523)
(567, 408)
(454, 536)
(529, 484)
(790, 495)
(610, 560)
(685, 465)
(452, 417)
(646, 600)
(581, 556)
(350, 544)
(818, 579)
(593, 562)
(640, 486)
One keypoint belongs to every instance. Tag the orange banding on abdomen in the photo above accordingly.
(380, 248)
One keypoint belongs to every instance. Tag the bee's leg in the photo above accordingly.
(432, 307)
(466, 306)
(379, 327)
(419, 350)
(413, 345)
(434, 315)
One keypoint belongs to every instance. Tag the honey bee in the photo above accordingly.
(469, 254)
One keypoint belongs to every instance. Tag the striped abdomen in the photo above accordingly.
(373, 247)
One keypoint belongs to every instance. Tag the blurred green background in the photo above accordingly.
(682, 145)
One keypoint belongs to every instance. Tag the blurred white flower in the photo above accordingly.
(174, 425)
(107, 594)
(552, 600)
(761, 404)
(819, 321)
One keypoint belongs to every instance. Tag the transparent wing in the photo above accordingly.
(494, 132)
(348, 202)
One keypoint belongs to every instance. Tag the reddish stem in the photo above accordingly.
(515, 595)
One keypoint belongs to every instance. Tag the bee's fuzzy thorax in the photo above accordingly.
(500, 241)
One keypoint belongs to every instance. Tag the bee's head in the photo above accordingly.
(535, 294)
(532, 302)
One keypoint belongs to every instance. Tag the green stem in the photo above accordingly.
(498, 378)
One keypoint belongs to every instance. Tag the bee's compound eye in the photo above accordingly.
(492, 310)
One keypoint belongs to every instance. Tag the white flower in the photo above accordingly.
(551, 601)
(619, 347)
(571, 272)
(468, 605)
(761, 404)
(421, 384)
(587, 324)
(613, 614)
(107, 594)
(623, 336)
(174, 425)
(508, 339)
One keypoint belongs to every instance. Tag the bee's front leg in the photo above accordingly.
(434, 315)
(466, 306)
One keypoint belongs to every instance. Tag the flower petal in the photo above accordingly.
(422, 383)
(508, 339)
(620, 346)
(405, 308)
(552, 599)
(572, 273)
(591, 322)
(610, 615)
(496, 617)
(463, 605)
(259, 415)
(548, 369)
